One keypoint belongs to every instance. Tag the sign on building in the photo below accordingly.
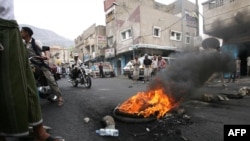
(110, 52)
(102, 41)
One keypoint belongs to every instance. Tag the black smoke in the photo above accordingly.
(190, 70)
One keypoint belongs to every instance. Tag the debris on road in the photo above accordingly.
(109, 129)
(108, 122)
(86, 119)
(244, 91)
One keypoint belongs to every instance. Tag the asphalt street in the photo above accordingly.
(208, 118)
(94, 103)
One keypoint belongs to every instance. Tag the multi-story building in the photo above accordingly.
(230, 21)
(136, 27)
(91, 44)
(62, 53)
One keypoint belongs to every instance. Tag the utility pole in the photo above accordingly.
(183, 23)
(198, 19)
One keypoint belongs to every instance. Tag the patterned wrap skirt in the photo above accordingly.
(19, 101)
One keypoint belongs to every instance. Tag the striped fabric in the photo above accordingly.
(19, 103)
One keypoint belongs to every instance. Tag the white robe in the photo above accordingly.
(7, 10)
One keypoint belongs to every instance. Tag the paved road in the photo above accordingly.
(96, 102)
(207, 119)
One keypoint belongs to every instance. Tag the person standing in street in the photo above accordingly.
(136, 69)
(238, 68)
(154, 65)
(101, 70)
(236, 73)
(147, 68)
(232, 76)
(248, 65)
(40, 61)
(19, 102)
(216, 74)
(162, 64)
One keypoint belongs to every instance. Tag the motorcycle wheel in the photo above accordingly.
(87, 81)
(75, 83)
(52, 99)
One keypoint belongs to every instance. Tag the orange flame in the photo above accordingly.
(147, 103)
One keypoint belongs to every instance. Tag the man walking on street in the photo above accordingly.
(216, 74)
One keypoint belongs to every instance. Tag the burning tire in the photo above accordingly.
(144, 106)
(131, 118)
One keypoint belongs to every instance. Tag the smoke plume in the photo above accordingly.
(190, 70)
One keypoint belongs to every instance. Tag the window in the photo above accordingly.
(216, 3)
(219, 3)
(110, 41)
(127, 34)
(188, 39)
(156, 31)
(176, 36)
(93, 48)
(110, 16)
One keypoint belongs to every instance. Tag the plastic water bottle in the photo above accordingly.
(107, 132)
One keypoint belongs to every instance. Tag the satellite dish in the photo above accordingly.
(210, 43)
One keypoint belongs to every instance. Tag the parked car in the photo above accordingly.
(128, 69)
(107, 69)
(87, 69)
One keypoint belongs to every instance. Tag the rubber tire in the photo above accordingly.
(132, 119)
(88, 84)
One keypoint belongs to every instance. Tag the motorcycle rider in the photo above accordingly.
(75, 67)
(40, 60)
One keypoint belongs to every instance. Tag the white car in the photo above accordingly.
(107, 69)
(128, 69)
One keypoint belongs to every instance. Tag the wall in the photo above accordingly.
(233, 15)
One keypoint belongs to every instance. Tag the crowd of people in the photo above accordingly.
(157, 64)
(151, 67)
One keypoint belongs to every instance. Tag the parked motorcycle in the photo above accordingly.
(82, 77)
(43, 88)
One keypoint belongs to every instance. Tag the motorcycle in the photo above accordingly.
(44, 91)
(82, 77)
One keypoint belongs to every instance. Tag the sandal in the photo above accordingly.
(60, 102)
(50, 138)
(54, 139)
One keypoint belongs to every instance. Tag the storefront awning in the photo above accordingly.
(150, 46)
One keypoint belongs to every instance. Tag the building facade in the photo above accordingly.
(91, 44)
(62, 53)
(230, 21)
(135, 27)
